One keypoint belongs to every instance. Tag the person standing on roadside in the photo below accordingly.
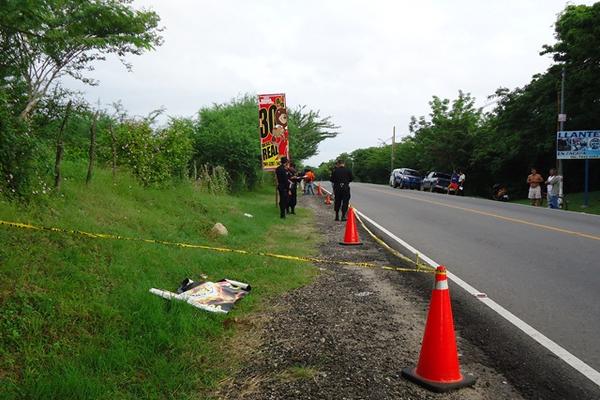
(453, 186)
(293, 184)
(553, 184)
(534, 181)
(283, 186)
(340, 180)
(461, 183)
(309, 182)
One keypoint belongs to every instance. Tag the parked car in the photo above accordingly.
(436, 181)
(405, 178)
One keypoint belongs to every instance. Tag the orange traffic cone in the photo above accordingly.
(438, 369)
(327, 200)
(351, 234)
(319, 189)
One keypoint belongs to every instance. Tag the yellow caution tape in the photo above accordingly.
(395, 252)
(419, 267)
(212, 248)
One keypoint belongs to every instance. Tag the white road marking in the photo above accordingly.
(530, 331)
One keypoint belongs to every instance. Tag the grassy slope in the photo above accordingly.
(76, 318)
(575, 201)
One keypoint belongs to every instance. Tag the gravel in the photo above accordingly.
(349, 333)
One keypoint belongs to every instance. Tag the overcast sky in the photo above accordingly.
(368, 64)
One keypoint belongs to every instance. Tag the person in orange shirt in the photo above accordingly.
(309, 186)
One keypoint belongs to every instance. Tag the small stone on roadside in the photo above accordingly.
(219, 229)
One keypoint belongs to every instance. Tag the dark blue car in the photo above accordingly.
(405, 178)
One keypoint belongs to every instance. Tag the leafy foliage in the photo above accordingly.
(445, 140)
(24, 159)
(308, 129)
(47, 39)
(155, 158)
(214, 180)
(227, 135)
(501, 146)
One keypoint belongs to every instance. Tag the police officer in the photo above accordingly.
(293, 178)
(340, 179)
(283, 186)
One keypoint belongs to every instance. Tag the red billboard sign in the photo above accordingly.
(273, 128)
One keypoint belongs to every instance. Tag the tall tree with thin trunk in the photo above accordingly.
(60, 148)
(44, 40)
(113, 143)
(92, 152)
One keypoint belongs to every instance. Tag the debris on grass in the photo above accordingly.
(218, 297)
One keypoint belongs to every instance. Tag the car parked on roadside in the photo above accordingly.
(436, 182)
(405, 178)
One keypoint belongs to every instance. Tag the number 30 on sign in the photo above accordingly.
(273, 128)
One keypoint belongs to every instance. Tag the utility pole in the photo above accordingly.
(393, 143)
(562, 117)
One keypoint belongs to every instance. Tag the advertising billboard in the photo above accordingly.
(273, 128)
(577, 145)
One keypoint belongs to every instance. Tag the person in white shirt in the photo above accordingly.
(553, 186)
(461, 183)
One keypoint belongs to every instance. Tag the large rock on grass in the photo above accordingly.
(219, 229)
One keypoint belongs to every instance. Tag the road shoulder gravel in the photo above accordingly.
(349, 333)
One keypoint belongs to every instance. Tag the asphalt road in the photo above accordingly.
(542, 265)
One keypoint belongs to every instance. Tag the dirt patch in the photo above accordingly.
(349, 334)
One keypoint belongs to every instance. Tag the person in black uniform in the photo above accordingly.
(293, 178)
(340, 179)
(283, 186)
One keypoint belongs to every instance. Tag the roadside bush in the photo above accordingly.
(154, 158)
(23, 159)
(176, 146)
(226, 135)
(213, 180)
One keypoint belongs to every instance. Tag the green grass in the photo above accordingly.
(298, 372)
(575, 202)
(76, 318)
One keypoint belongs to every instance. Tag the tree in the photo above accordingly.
(577, 31)
(523, 126)
(500, 146)
(226, 135)
(371, 164)
(445, 139)
(578, 36)
(44, 40)
(308, 129)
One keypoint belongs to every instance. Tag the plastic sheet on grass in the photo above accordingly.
(218, 297)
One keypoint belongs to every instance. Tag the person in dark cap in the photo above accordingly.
(283, 185)
(293, 177)
(340, 179)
